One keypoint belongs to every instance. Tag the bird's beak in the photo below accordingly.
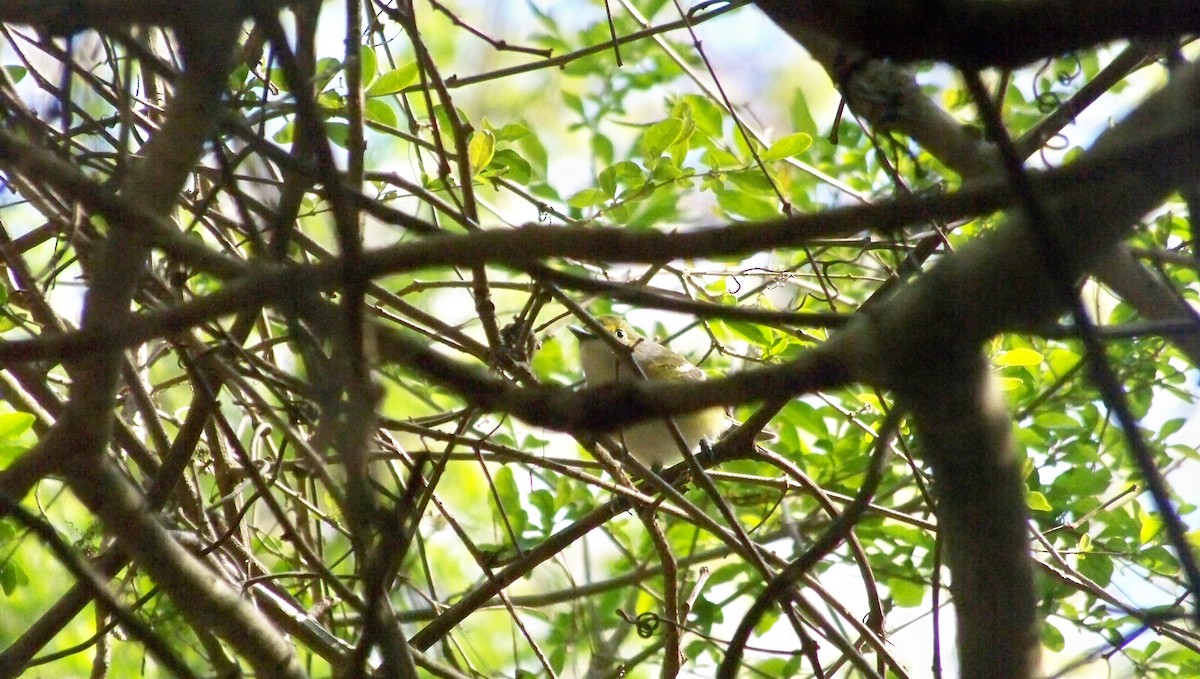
(581, 334)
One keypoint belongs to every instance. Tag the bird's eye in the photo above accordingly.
(620, 333)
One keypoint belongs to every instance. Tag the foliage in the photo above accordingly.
(475, 117)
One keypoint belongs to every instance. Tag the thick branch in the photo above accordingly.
(79, 439)
(1007, 33)
(888, 97)
(927, 340)
(966, 435)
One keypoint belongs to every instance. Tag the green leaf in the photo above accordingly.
(1170, 427)
(1150, 525)
(1081, 482)
(708, 115)
(1055, 420)
(338, 133)
(366, 57)
(1052, 639)
(573, 102)
(480, 150)
(510, 499)
(588, 197)
(602, 149)
(742, 204)
(679, 148)
(767, 621)
(665, 171)
(379, 112)
(326, 69)
(1018, 357)
(12, 576)
(1097, 567)
(511, 132)
(624, 174)
(510, 165)
(331, 101)
(787, 147)
(543, 500)
(659, 136)
(285, 133)
(906, 594)
(393, 81)
(802, 118)
(1037, 501)
(13, 425)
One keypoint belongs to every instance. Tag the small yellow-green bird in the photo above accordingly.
(650, 442)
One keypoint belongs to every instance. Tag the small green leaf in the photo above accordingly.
(659, 136)
(1151, 524)
(1051, 637)
(510, 165)
(679, 148)
(625, 173)
(786, 147)
(588, 197)
(338, 133)
(326, 69)
(393, 81)
(1055, 420)
(1170, 427)
(743, 204)
(366, 59)
(665, 171)
(871, 400)
(511, 132)
(906, 594)
(13, 425)
(1097, 567)
(379, 112)
(510, 499)
(767, 621)
(285, 133)
(17, 73)
(543, 500)
(12, 577)
(1037, 502)
(331, 101)
(602, 149)
(802, 118)
(573, 102)
(1018, 357)
(708, 115)
(481, 149)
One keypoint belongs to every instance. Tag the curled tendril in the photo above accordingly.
(1066, 77)
(705, 6)
(1048, 101)
(647, 624)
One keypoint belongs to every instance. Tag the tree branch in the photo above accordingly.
(980, 34)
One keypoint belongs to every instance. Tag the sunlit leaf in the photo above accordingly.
(480, 149)
(659, 136)
(787, 147)
(1018, 357)
(393, 81)
(1037, 502)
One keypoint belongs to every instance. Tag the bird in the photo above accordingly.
(649, 442)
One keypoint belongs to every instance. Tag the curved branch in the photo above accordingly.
(1007, 33)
